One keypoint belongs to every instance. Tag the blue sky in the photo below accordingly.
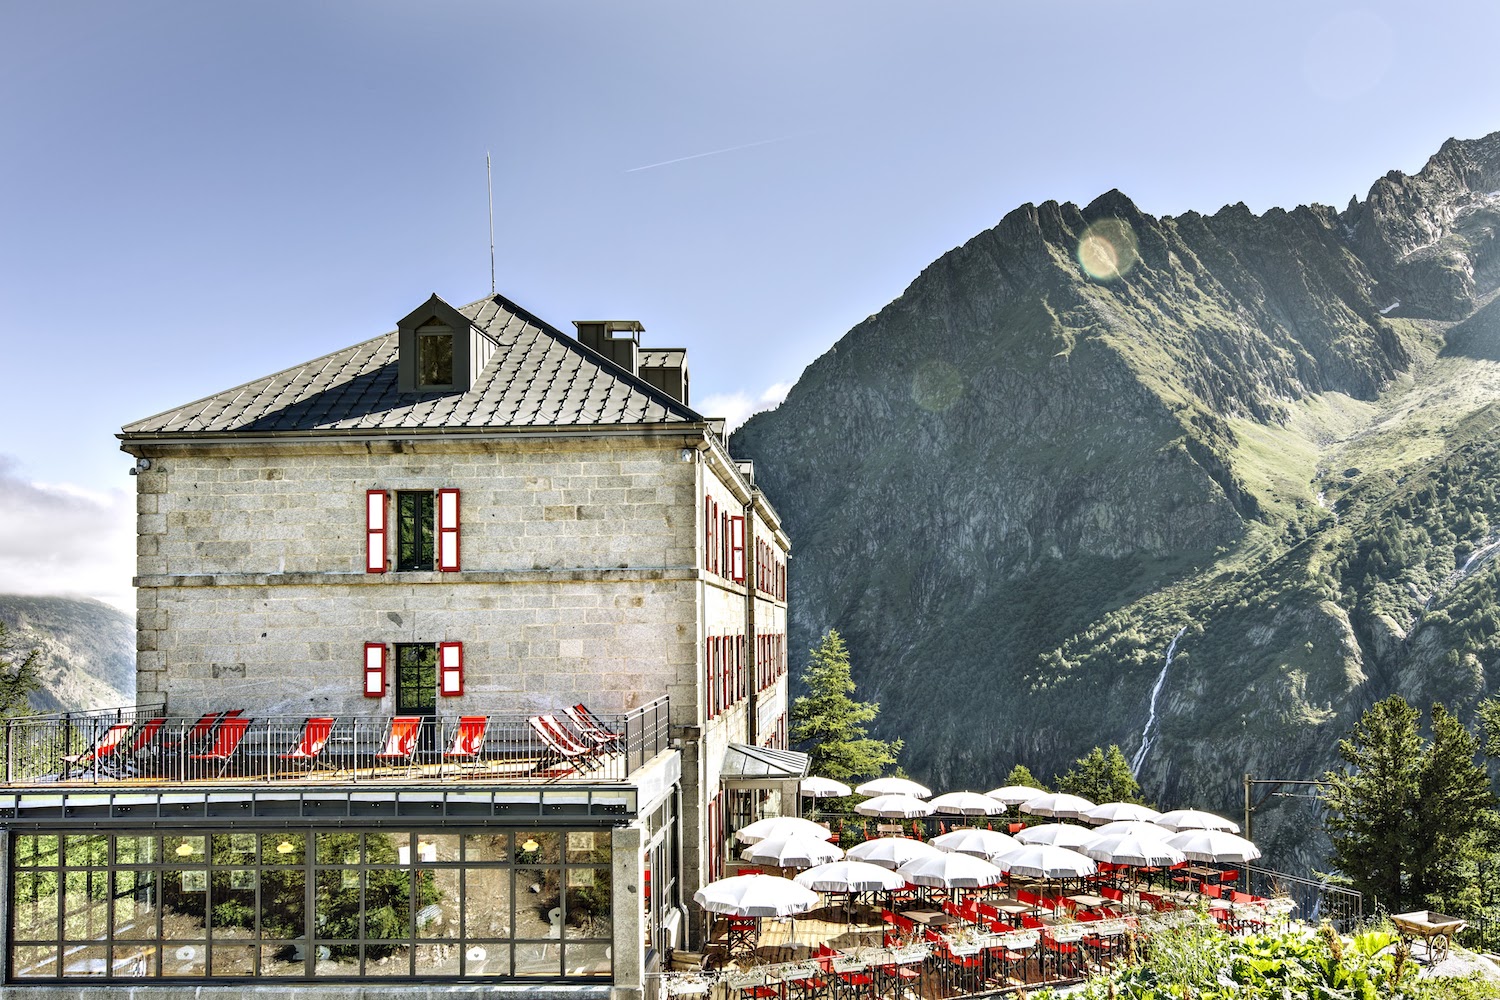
(193, 195)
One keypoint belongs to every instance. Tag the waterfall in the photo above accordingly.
(1146, 734)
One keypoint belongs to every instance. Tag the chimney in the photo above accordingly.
(605, 336)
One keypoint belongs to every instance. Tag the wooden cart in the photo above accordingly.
(1436, 929)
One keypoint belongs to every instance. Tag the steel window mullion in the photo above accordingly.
(309, 901)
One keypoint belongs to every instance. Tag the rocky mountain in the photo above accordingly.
(1089, 431)
(88, 650)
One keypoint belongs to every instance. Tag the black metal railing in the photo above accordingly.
(1344, 908)
(141, 744)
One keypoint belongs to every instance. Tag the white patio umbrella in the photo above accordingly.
(822, 788)
(1192, 819)
(793, 850)
(1215, 845)
(966, 804)
(1132, 826)
(894, 786)
(1074, 838)
(755, 896)
(1111, 812)
(1014, 795)
(764, 829)
(951, 871)
(1045, 861)
(850, 876)
(979, 843)
(1134, 849)
(894, 806)
(1057, 804)
(891, 852)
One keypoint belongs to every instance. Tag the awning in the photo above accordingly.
(745, 764)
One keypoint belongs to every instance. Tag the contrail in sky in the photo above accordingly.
(712, 152)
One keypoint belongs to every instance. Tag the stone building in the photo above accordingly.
(472, 516)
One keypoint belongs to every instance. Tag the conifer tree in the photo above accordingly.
(17, 675)
(830, 725)
(1102, 776)
(1021, 775)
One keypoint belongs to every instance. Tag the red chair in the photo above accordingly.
(147, 743)
(401, 742)
(560, 748)
(583, 721)
(226, 742)
(315, 733)
(100, 756)
(468, 739)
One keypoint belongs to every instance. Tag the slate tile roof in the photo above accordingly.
(537, 376)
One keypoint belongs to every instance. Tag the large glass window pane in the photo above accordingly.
(538, 959)
(85, 962)
(85, 905)
(34, 961)
(36, 851)
(437, 903)
(589, 903)
(387, 960)
(388, 912)
(135, 904)
(437, 848)
(282, 902)
(536, 847)
(185, 960)
(87, 850)
(388, 849)
(278, 849)
(338, 848)
(587, 847)
(338, 960)
(591, 958)
(234, 848)
(185, 850)
(482, 848)
(414, 534)
(232, 959)
(336, 895)
(34, 904)
(434, 356)
(538, 903)
(487, 958)
(134, 961)
(438, 960)
(184, 905)
(131, 849)
(487, 911)
(232, 903)
(282, 960)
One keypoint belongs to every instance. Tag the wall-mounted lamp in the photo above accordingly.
(141, 465)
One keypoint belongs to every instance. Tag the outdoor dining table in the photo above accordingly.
(1087, 900)
(932, 918)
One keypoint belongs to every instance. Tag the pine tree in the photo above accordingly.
(1457, 809)
(830, 725)
(17, 676)
(1021, 775)
(1102, 776)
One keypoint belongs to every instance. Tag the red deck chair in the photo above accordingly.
(589, 725)
(401, 743)
(147, 742)
(315, 733)
(197, 736)
(101, 755)
(560, 747)
(468, 739)
(226, 742)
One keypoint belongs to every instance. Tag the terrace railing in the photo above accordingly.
(1315, 900)
(37, 749)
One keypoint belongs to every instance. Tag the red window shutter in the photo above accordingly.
(713, 540)
(708, 533)
(708, 677)
(447, 530)
(375, 530)
(450, 668)
(737, 548)
(374, 670)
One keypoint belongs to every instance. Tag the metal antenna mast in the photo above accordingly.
(490, 186)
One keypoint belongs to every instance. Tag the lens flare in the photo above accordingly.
(936, 386)
(1107, 250)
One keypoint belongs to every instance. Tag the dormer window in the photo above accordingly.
(434, 355)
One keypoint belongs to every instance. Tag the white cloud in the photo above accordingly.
(60, 539)
(737, 407)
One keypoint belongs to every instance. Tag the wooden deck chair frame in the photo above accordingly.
(467, 745)
(227, 738)
(604, 739)
(559, 747)
(102, 750)
(401, 741)
(308, 753)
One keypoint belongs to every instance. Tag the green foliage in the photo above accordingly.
(17, 675)
(1021, 775)
(1407, 820)
(830, 725)
(1102, 776)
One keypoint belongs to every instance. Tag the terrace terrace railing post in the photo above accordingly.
(10, 752)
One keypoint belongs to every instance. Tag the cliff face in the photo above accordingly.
(88, 650)
(1086, 429)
